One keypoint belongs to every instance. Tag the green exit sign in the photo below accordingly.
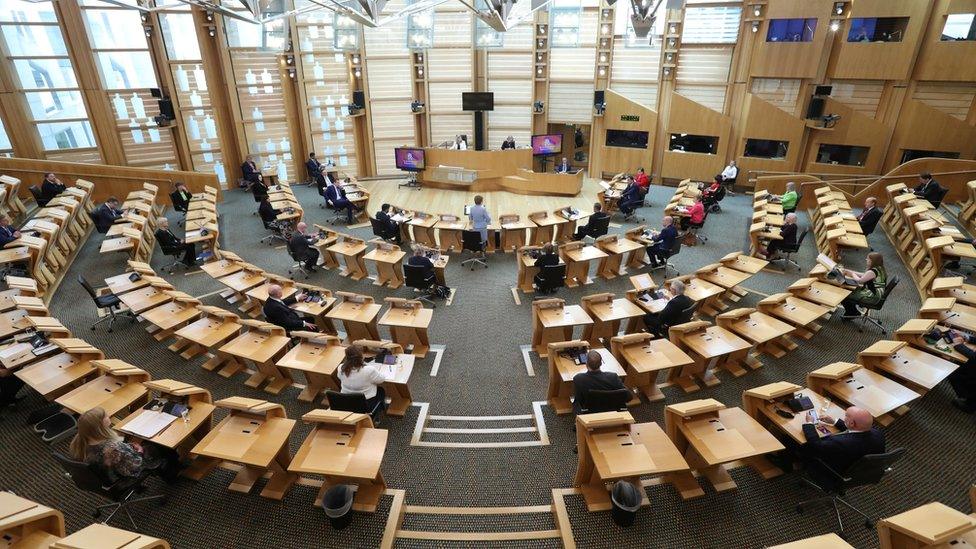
(630, 118)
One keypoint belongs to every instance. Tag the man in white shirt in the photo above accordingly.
(728, 176)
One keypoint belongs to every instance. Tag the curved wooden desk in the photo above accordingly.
(483, 171)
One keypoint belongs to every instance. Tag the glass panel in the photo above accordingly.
(420, 30)
(959, 26)
(877, 29)
(34, 40)
(791, 30)
(104, 28)
(35, 74)
(20, 11)
(703, 144)
(241, 34)
(346, 33)
(717, 25)
(66, 135)
(179, 34)
(4, 140)
(56, 105)
(565, 23)
(126, 70)
(766, 148)
(846, 155)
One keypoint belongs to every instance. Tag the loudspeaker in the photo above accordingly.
(359, 99)
(598, 97)
(156, 92)
(816, 108)
(823, 90)
(166, 109)
(479, 131)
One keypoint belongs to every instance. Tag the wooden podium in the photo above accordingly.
(484, 171)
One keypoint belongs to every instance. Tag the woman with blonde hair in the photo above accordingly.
(96, 443)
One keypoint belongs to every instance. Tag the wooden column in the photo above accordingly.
(14, 111)
(226, 110)
(164, 76)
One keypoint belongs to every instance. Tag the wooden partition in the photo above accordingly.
(792, 59)
(922, 127)
(951, 60)
(687, 116)
(763, 120)
(880, 60)
(109, 180)
(621, 114)
(854, 129)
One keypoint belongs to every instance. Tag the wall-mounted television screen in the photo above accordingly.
(543, 145)
(685, 142)
(410, 159)
(625, 138)
(477, 101)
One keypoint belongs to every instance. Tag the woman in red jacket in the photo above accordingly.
(696, 214)
(642, 180)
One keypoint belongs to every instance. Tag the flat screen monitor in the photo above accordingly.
(543, 145)
(410, 159)
(477, 101)
(624, 138)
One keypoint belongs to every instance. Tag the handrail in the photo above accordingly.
(854, 180)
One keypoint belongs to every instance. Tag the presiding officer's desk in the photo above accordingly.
(482, 171)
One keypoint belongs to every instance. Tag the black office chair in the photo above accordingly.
(299, 266)
(686, 316)
(789, 250)
(121, 492)
(868, 307)
(614, 400)
(179, 205)
(276, 231)
(598, 227)
(867, 471)
(38, 196)
(109, 303)
(712, 203)
(356, 403)
(471, 242)
(381, 230)
(338, 214)
(695, 228)
(937, 197)
(416, 277)
(551, 278)
(174, 252)
(675, 250)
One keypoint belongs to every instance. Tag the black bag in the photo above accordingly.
(800, 404)
(442, 292)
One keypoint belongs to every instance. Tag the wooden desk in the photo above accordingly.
(553, 322)
(221, 268)
(181, 434)
(120, 284)
(397, 374)
(612, 447)
(449, 229)
(857, 386)
(799, 312)
(644, 358)
(916, 369)
(119, 389)
(725, 277)
(607, 314)
(240, 282)
(762, 402)
(711, 435)
(527, 269)
(255, 435)
(711, 347)
(705, 292)
(615, 247)
(914, 330)
(358, 315)
(214, 328)
(167, 318)
(563, 367)
(578, 257)
(513, 232)
(544, 227)
(345, 449)
(352, 251)
(25, 523)
(101, 536)
(819, 292)
(408, 321)
(826, 541)
(954, 286)
(389, 265)
(262, 345)
(770, 336)
(423, 229)
(318, 357)
(932, 525)
(566, 231)
(146, 298)
(59, 374)
(316, 310)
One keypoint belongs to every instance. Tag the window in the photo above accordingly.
(629, 139)
(687, 143)
(66, 135)
(565, 23)
(179, 44)
(714, 25)
(844, 155)
(877, 29)
(420, 30)
(766, 148)
(486, 37)
(791, 30)
(346, 33)
(959, 26)
(914, 154)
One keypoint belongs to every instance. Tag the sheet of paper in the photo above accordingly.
(149, 424)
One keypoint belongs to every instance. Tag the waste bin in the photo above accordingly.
(337, 503)
(626, 500)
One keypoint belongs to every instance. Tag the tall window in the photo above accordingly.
(420, 30)
(46, 78)
(711, 25)
(565, 23)
(6, 149)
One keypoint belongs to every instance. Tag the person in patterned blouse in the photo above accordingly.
(96, 443)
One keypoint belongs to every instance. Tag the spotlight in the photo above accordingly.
(757, 11)
(755, 26)
(417, 105)
(538, 106)
(355, 60)
(212, 31)
(834, 25)
(839, 8)
(357, 73)
(209, 16)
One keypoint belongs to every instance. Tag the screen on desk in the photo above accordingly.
(409, 159)
(547, 144)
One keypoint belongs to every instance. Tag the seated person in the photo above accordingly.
(663, 242)
(788, 199)
(788, 232)
(642, 181)
(8, 233)
(419, 259)
(167, 239)
(962, 379)
(870, 215)
(630, 198)
(50, 188)
(357, 377)
(563, 167)
(696, 215)
(335, 196)
(927, 188)
(460, 143)
(548, 257)
(729, 174)
(278, 311)
(249, 170)
(106, 214)
(259, 189)
(856, 439)
(708, 194)
(181, 197)
(391, 228)
(671, 314)
(593, 379)
(269, 215)
(509, 143)
(870, 286)
(302, 246)
(590, 228)
(98, 445)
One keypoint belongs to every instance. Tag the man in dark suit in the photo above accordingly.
(963, 379)
(167, 239)
(856, 439)
(563, 167)
(106, 214)
(313, 166)
(509, 143)
(392, 228)
(51, 187)
(302, 247)
(630, 198)
(870, 216)
(663, 242)
(927, 188)
(8, 233)
(259, 189)
(181, 198)
(593, 379)
(419, 259)
(267, 212)
(590, 229)
(335, 196)
(659, 323)
(548, 257)
(788, 234)
(277, 311)
(249, 170)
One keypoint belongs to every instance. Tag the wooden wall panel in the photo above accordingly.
(853, 128)
(950, 61)
(881, 60)
(861, 95)
(763, 120)
(952, 98)
(605, 159)
(686, 116)
(792, 59)
(923, 128)
(782, 93)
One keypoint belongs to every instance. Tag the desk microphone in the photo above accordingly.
(950, 316)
